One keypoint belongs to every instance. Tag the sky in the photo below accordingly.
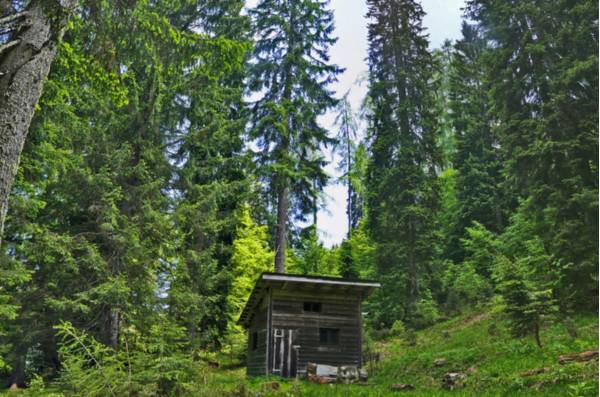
(442, 21)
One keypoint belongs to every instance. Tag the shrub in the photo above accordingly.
(151, 365)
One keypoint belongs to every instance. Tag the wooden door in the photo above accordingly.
(284, 352)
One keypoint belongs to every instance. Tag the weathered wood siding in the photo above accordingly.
(338, 311)
(257, 359)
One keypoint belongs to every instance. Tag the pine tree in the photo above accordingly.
(477, 159)
(95, 193)
(210, 177)
(544, 86)
(290, 73)
(346, 147)
(401, 183)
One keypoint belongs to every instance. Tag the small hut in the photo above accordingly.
(296, 319)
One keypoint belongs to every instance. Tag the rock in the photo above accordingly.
(401, 387)
(270, 386)
(347, 374)
(363, 376)
(453, 380)
(439, 362)
(321, 380)
(583, 356)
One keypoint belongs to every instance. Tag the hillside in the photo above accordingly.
(478, 344)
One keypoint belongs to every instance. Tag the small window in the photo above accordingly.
(254, 340)
(329, 336)
(312, 307)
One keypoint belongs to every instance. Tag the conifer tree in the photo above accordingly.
(210, 178)
(401, 183)
(290, 74)
(477, 157)
(346, 147)
(544, 86)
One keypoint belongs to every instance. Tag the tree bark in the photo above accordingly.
(17, 375)
(111, 327)
(280, 237)
(24, 65)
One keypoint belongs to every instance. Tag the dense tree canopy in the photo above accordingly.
(177, 151)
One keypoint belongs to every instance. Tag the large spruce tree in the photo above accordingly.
(401, 183)
(477, 156)
(289, 77)
(105, 223)
(206, 128)
(544, 83)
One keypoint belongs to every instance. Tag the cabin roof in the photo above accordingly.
(302, 282)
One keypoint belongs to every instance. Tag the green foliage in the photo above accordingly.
(496, 364)
(398, 329)
(403, 194)
(251, 256)
(146, 197)
(291, 74)
(155, 365)
(544, 93)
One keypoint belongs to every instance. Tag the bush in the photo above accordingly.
(398, 329)
(152, 365)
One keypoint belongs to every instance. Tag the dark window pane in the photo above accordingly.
(329, 336)
(254, 340)
(312, 307)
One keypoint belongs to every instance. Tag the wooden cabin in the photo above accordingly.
(296, 319)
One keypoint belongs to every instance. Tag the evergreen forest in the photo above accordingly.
(157, 156)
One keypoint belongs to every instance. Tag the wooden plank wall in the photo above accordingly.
(256, 359)
(341, 311)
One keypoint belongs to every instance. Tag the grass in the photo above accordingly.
(478, 344)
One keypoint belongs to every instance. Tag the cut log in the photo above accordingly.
(321, 380)
(583, 356)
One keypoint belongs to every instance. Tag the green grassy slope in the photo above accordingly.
(478, 344)
(494, 363)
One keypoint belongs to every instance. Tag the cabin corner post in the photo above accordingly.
(360, 333)
(269, 331)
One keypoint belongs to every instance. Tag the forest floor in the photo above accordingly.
(478, 345)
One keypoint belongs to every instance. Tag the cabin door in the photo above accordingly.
(284, 352)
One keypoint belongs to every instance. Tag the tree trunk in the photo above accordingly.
(25, 61)
(17, 376)
(280, 237)
(111, 327)
(536, 331)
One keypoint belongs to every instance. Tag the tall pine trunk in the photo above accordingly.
(280, 238)
(25, 61)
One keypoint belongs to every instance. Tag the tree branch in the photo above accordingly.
(12, 18)
(6, 46)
